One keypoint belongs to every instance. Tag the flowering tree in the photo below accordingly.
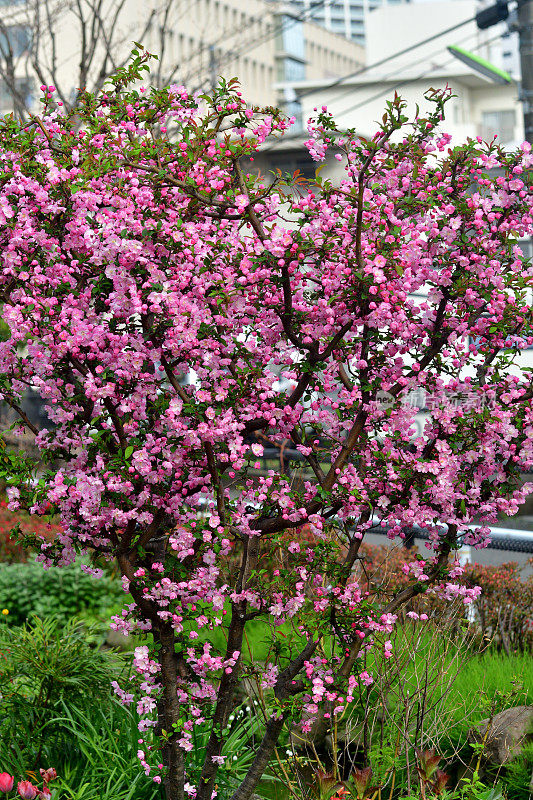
(132, 258)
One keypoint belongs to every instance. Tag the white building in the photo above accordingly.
(262, 43)
(346, 17)
(354, 19)
(482, 105)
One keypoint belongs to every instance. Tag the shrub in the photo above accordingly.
(503, 611)
(11, 550)
(505, 606)
(56, 709)
(42, 667)
(26, 590)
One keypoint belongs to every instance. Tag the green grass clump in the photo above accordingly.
(57, 709)
(489, 681)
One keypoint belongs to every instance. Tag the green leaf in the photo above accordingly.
(129, 450)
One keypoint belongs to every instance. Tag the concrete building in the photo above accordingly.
(346, 17)
(265, 44)
(353, 18)
(481, 106)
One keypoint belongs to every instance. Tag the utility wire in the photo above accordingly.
(424, 74)
(433, 55)
(382, 61)
(233, 54)
(390, 89)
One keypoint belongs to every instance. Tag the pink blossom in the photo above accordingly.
(180, 317)
(27, 790)
(6, 782)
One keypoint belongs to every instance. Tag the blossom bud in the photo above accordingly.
(26, 790)
(441, 779)
(48, 774)
(6, 782)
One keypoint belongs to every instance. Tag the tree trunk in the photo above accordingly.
(169, 716)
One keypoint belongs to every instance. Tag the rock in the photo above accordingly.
(507, 733)
(118, 640)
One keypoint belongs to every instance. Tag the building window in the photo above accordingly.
(24, 90)
(526, 246)
(500, 122)
(17, 39)
(290, 70)
(291, 38)
(294, 109)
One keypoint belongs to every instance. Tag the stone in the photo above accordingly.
(118, 640)
(508, 732)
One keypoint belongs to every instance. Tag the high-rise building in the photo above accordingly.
(346, 17)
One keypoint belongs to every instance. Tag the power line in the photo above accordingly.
(229, 56)
(398, 53)
(233, 54)
(434, 54)
(390, 89)
(424, 74)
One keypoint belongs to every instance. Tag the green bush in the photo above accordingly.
(60, 592)
(42, 667)
(57, 709)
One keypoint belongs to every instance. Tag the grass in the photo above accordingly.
(492, 672)
(488, 682)
(101, 761)
(94, 752)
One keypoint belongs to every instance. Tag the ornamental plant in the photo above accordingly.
(44, 669)
(10, 550)
(26, 789)
(505, 606)
(176, 313)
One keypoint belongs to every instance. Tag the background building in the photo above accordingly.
(482, 106)
(78, 45)
(346, 17)
(407, 52)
